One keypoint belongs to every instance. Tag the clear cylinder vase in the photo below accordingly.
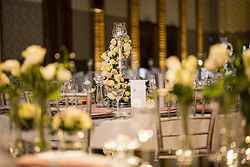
(184, 155)
(72, 140)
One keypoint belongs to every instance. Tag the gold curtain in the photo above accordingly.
(162, 35)
(134, 19)
(99, 37)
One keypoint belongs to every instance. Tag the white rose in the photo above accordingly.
(112, 61)
(12, 66)
(4, 80)
(63, 74)
(115, 49)
(117, 77)
(33, 55)
(171, 75)
(114, 71)
(111, 47)
(111, 53)
(184, 77)
(48, 72)
(127, 47)
(113, 41)
(173, 63)
(218, 54)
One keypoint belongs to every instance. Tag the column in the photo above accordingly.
(162, 34)
(199, 28)
(99, 32)
(183, 28)
(134, 23)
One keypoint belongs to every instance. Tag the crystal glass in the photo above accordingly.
(118, 93)
(99, 90)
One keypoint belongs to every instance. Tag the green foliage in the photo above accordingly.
(184, 93)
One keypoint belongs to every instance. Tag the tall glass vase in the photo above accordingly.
(184, 155)
(16, 147)
(41, 142)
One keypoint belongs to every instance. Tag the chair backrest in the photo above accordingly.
(169, 129)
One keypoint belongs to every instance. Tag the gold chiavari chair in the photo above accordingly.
(169, 130)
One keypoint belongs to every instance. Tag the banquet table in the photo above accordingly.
(106, 129)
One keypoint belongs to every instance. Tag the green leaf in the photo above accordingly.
(55, 95)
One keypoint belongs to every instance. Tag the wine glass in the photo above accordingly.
(118, 93)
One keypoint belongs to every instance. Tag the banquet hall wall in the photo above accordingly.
(22, 24)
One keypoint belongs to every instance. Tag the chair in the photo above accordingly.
(169, 131)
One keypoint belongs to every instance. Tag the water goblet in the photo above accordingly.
(118, 93)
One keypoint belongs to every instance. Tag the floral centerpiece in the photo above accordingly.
(70, 125)
(181, 77)
(42, 81)
(228, 88)
(113, 67)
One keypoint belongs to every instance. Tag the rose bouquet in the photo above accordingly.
(70, 126)
(180, 83)
(42, 81)
(71, 120)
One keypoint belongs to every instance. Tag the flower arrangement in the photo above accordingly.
(28, 114)
(120, 48)
(71, 120)
(181, 77)
(43, 81)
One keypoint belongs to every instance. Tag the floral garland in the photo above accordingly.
(111, 70)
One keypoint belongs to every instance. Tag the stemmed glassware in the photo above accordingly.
(99, 89)
(118, 93)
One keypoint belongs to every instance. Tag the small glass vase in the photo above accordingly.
(184, 155)
(72, 140)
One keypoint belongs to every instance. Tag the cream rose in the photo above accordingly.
(173, 63)
(63, 74)
(127, 47)
(113, 41)
(12, 66)
(33, 55)
(218, 55)
(49, 72)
